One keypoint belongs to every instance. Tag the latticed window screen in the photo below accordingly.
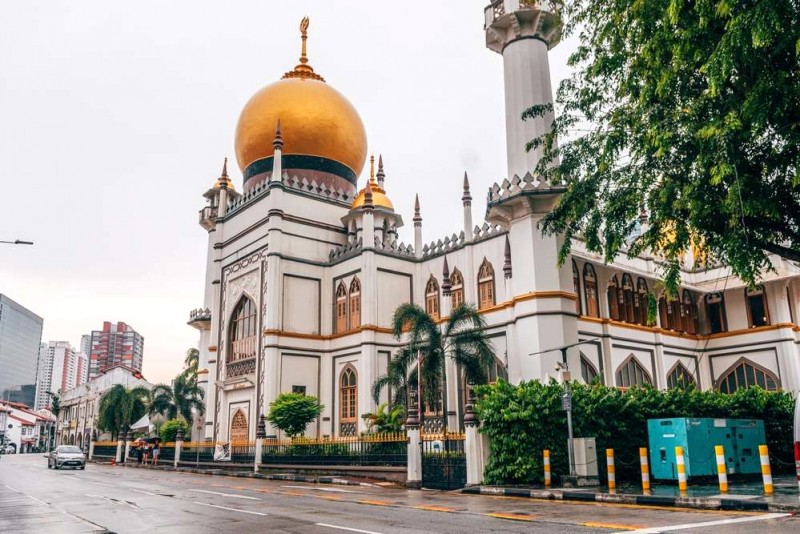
(432, 297)
(746, 375)
(239, 427)
(457, 288)
(355, 303)
(243, 331)
(631, 373)
(485, 285)
(348, 395)
(613, 295)
(679, 377)
(590, 288)
(341, 307)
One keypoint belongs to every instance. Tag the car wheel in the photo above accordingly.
(55, 466)
(48, 465)
(83, 467)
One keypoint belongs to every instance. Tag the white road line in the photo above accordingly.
(226, 508)
(15, 490)
(98, 527)
(236, 495)
(670, 528)
(145, 492)
(333, 490)
(346, 528)
(37, 500)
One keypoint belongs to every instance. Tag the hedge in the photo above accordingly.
(523, 420)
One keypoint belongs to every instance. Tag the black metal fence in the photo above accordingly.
(366, 450)
(444, 461)
(105, 449)
(197, 451)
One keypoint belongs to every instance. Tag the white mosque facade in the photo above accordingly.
(304, 270)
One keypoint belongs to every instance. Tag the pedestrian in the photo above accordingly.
(156, 452)
(139, 453)
(146, 452)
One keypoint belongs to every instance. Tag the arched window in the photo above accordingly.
(243, 331)
(432, 297)
(590, 288)
(757, 311)
(680, 377)
(341, 307)
(239, 427)
(746, 374)
(457, 291)
(588, 371)
(715, 312)
(355, 303)
(631, 373)
(576, 287)
(627, 298)
(485, 285)
(615, 310)
(689, 313)
(640, 302)
(348, 401)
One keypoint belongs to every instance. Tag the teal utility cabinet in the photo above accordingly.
(740, 437)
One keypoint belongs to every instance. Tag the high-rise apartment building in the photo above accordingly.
(20, 335)
(115, 344)
(44, 375)
(61, 368)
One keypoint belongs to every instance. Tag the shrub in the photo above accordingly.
(170, 429)
(291, 412)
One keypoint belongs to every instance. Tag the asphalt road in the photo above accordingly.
(104, 498)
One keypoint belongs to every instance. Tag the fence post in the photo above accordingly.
(472, 445)
(118, 456)
(645, 470)
(414, 466)
(681, 465)
(766, 471)
(722, 468)
(128, 437)
(178, 447)
(612, 475)
(91, 444)
(546, 463)
(261, 433)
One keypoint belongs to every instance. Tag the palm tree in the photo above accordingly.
(178, 400)
(55, 402)
(191, 363)
(461, 337)
(120, 407)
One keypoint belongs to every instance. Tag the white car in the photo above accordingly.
(66, 456)
(8, 449)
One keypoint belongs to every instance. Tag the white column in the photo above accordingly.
(414, 464)
(473, 447)
(118, 456)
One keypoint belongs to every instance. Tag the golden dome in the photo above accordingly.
(379, 198)
(322, 131)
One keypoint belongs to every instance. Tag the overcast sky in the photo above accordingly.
(115, 118)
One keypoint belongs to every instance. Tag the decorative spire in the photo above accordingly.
(372, 168)
(368, 205)
(417, 215)
(277, 144)
(507, 262)
(381, 175)
(303, 69)
(225, 168)
(446, 286)
(467, 197)
(223, 181)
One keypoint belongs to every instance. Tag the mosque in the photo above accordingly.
(305, 269)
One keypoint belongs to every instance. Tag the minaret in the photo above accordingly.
(223, 190)
(523, 33)
(381, 176)
(466, 199)
(368, 220)
(277, 160)
(417, 229)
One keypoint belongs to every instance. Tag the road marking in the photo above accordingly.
(226, 508)
(145, 492)
(37, 500)
(347, 528)
(435, 508)
(512, 516)
(615, 526)
(15, 490)
(79, 518)
(335, 490)
(235, 495)
(670, 528)
(376, 503)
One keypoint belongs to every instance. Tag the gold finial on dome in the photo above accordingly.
(372, 168)
(303, 70)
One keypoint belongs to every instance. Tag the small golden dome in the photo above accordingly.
(379, 198)
(322, 131)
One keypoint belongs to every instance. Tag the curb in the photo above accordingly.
(251, 474)
(698, 503)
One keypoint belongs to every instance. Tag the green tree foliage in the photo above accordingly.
(120, 407)
(690, 110)
(170, 429)
(462, 337)
(55, 402)
(191, 364)
(523, 420)
(386, 420)
(182, 399)
(291, 412)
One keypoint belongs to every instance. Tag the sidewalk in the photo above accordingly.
(746, 496)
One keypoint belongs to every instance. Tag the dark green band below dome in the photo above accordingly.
(311, 163)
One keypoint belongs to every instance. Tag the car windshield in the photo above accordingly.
(69, 450)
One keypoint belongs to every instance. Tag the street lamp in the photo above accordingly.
(17, 242)
(566, 399)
